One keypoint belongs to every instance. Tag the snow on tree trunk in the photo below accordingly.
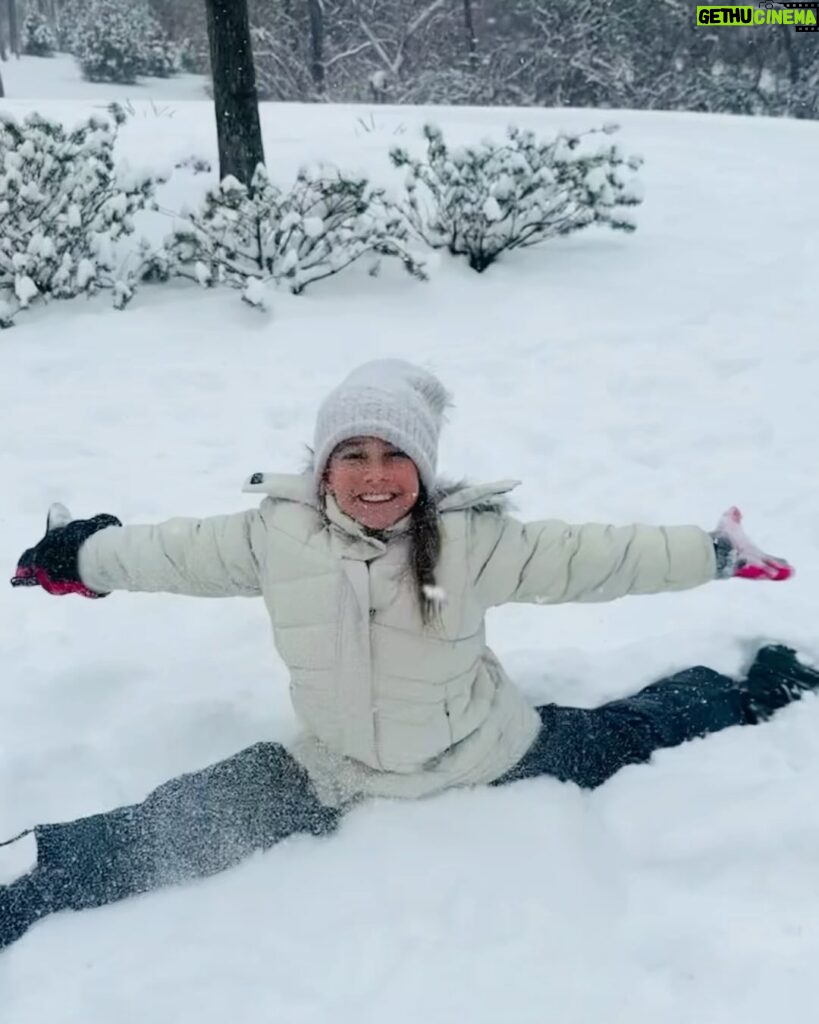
(234, 89)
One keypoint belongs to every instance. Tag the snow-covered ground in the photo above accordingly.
(660, 377)
(43, 78)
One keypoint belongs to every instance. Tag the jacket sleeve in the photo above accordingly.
(214, 557)
(551, 561)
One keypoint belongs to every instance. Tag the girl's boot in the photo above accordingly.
(776, 678)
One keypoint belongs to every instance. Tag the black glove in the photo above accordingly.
(52, 564)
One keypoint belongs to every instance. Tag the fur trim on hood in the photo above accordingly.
(492, 497)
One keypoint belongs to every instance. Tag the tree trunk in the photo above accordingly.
(14, 28)
(791, 53)
(234, 89)
(3, 51)
(2, 90)
(471, 38)
(293, 34)
(315, 9)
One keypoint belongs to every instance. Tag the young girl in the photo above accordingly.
(377, 579)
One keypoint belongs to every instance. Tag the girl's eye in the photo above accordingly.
(361, 456)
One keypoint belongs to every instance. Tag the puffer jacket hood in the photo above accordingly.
(448, 495)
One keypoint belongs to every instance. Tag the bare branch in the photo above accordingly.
(394, 64)
(347, 53)
(423, 17)
(412, 28)
(376, 43)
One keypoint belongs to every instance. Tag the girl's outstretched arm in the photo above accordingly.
(214, 557)
(549, 562)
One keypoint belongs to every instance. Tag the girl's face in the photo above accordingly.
(373, 482)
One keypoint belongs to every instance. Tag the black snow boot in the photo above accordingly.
(22, 903)
(776, 678)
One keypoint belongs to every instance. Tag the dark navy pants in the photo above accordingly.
(190, 827)
(588, 745)
(208, 820)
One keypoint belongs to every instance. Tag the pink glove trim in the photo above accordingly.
(771, 570)
(60, 589)
(751, 562)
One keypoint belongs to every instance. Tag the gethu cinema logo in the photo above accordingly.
(803, 16)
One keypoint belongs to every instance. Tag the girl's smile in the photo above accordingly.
(373, 482)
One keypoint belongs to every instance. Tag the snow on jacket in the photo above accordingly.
(389, 706)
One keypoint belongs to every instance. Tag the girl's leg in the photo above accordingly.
(588, 746)
(189, 827)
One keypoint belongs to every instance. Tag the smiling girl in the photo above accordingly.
(377, 578)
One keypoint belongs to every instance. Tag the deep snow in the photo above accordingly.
(661, 377)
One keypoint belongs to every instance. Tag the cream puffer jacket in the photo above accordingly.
(391, 707)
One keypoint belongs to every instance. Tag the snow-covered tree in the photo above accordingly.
(39, 39)
(350, 49)
(108, 42)
(326, 221)
(64, 208)
(118, 40)
(480, 201)
(281, 71)
(646, 54)
(160, 57)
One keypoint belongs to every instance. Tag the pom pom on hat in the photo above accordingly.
(391, 399)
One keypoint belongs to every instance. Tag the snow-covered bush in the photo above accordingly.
(160, 57)
(323, 223)
(479, 201)
(38, 36)
(194, 58)
(117, 40)
(108, 43)
(63, 206)
(197, 164)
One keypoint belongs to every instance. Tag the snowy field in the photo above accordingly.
(658, 377)
(44, 78)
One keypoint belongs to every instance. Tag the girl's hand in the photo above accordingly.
(737, 555)
(53, 563)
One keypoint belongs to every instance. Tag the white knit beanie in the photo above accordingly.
(390, 399)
